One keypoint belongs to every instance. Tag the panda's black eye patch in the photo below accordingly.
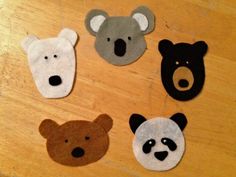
(170, 143)
(148, 146)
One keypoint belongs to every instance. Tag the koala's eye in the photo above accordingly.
(187, 62)
(46, 57)
(87, 137)
(55, 56)
(177, 62)
(66, 140)
(108, 39)
(168, 142)
(129, 38)
(148, 146)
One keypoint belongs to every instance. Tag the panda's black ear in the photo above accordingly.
(200, 48)
(135, 121)
(180, 120)
(165, 46)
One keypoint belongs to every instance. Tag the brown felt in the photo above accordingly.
(92, 137)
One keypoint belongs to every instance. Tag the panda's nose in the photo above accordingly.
(120, 47)
(77, 152)
(55, 80)
(161, 155)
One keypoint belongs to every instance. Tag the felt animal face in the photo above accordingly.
(120, 40)
(52, 62)
(182, 68)
(159, 143)
(79, 142)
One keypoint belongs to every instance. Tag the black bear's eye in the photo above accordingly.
(87, 137)
(177, 62)
(66, 140)
(148, 146)
(46, 57)
(168, 142)
(55, 56)
(187, 62)
(108, 39)
(129, 38)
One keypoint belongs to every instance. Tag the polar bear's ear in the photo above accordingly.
(47, 127)
(68, 34)
(145, 19)
(94, 20)
(27, 41)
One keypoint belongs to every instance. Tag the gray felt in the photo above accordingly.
(130, 30)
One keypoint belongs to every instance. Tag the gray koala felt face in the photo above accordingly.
(52, 62)
(159, 143)
(120, 40)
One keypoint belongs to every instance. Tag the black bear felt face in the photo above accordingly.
(182, 68)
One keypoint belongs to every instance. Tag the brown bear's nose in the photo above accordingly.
(77, 152)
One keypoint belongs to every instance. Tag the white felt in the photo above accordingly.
(68, 34)
(142, 21)
(62, 65)
(27, 41)
(96, 22)
(157, 129)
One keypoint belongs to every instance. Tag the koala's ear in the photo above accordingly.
(164, 46)
(135, 121)
(200, 48)
(68, 34)
(145, 19)
(105, 121)
(46, 127)
(180, 120)
(27, 41)
(94, 20)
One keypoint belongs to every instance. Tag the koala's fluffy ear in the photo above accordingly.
(46, 127)
(105, 121)
(27, 41)
(145, 19)
(165, 46)
(180, 120)
(135, 121)
(200, 48)
(94, 20)
(68, 34)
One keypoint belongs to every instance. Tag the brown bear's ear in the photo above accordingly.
(105, 121)
(46, 127)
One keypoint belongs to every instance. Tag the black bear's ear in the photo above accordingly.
(135, 121)
(164, 47)
(180, 120)
(200, 48)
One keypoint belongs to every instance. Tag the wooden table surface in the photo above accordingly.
(118, 91)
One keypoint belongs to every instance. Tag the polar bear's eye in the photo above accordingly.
(129, 38)
(108, 39)
(55, 56)
(46, 57)
(148, 146)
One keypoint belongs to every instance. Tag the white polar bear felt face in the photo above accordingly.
(52, 62)
(159, 143)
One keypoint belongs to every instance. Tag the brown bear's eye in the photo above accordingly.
(66, 141)
(108, 39)
(87, 137)
(46, 57)
(129, 38)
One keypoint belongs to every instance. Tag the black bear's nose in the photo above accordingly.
(55, 80)
(120, 47)
(183, 83)
(161, 155)
(77, 152)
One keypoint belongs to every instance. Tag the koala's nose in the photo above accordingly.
(55, 80)
(161, 155)
(77, 152)
(183, 83)
(120, 47)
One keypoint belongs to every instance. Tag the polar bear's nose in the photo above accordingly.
(77, 152)
(120, 47)
(55, 80)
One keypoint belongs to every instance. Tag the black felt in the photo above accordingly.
(161, 155)
(77, 152)
(135, 121)
(120, 47)
(180, 120)
(55, 80)
(186, 55)
(170, 143)
(148, 146)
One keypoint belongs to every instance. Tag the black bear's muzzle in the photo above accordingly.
(120, 47)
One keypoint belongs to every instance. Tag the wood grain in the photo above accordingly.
(118, 91)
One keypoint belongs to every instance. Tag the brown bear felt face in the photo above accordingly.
(79, 142)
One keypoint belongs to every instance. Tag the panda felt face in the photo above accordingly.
(159, 143)
(120, 40)
(52, 62)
